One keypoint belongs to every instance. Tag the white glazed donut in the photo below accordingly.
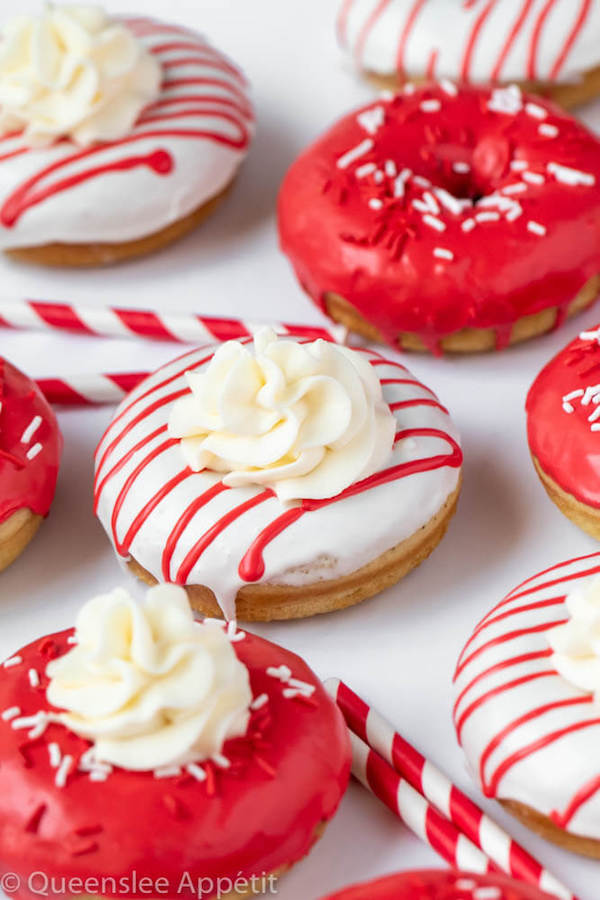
(183, 151)
(529, 735)
(188, 528)
(473, 41)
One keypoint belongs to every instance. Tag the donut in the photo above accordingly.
(438, 885)
(30, 448)
(562, 413)
(252, 544)
(173, 156)
(550, 48)
(526, 712)
(243, 815)
(447, 219)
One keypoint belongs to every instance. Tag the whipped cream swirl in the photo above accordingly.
(73, 72)
(576, 644)
(306, 420)
(148, 685)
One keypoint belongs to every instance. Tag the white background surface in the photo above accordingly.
(397, 650)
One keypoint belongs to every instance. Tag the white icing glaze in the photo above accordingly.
(306, 420)
(184, 149)
(148, 685)
(506, 40)
(324, 543)
(511, 696)
(73, 72)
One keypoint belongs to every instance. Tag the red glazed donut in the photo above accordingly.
(260, 815)
(447, 219)
(562, 425)
(30, 447)
(440, 886)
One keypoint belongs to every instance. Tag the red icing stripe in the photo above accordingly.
(472, 40)
(571, 38)
(512, 36)
(408, 27)
(368, 27)
(535, 40)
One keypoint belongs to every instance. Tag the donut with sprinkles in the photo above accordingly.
(526, 703)
(563, 425)
(427, 885)
(548, 46)
(447, 218)
(30, 448)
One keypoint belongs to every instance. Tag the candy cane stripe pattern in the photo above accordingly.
(189, 528)
(107, 321)
(424, 777)
(183, 151)
(546, 41)
(529, 735)
(89, 389)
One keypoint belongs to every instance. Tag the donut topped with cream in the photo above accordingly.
(440, 885)
(30, 445)
(273, 460)
(442, 209)
(527, 685)
(563, 418)
(508, 40)
(144, 741)
(93, 107)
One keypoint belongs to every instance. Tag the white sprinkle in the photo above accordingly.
(547, 130)
(375, 203)
(590, 335)
(442, 253)
(365, 170)
(536, 228)
(591, 395)
(518, 165)
(33, 451)
(533, 177)
(422, 182)
(72, 639)
(452, 203)
(595, 414)
(506, 100)
(390, 168)
(221, 761)
(10, 713)
(461, 167)
(63, 772)
(98, 775)
(448, 87)
(595, 428)
(496, 200)
(34, 678)
(167, 772)
(196, 772)
(533, 109)
(573, 177)
(487, 216)
(291, 693)
(430, 106)
(37, 723)
(433, 222)
(420, 206)
(372, 119)
(13, 661)
(487, 893)
(282, 673)
(31, 429)
(465, 884)
(348, 158)
(431, 202)
(55, 754)
(468, 225)
(378, 176)
(514, 213)
(400, 182)
(517, 188)
(259, 701)
(302, 686)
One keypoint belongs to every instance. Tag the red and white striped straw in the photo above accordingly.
(90, 390)
(428, 780)
(112, 321)
(416, 812)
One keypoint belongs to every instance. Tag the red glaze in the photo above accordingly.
(26, 483)
(287, 776)
(433, 885)
(382, 258)
(564, 443)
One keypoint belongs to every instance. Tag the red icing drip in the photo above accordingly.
(440, 885)
(24, 482)
(241, 821)
(381, 256)
(562, 819)
(181, 525)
